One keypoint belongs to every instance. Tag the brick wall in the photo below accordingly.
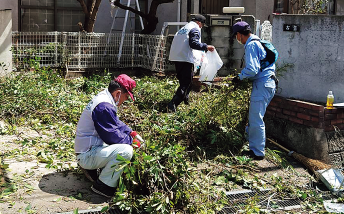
(306, 113)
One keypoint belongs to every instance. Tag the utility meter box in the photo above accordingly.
(217, 20)
(219, 34)
(220, 20)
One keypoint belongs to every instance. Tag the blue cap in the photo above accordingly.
(240, 26)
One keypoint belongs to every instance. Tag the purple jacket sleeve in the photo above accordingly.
(194, 36)
(108, 126)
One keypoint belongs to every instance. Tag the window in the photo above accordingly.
(50, 15)
(281, 6)
(213, 6)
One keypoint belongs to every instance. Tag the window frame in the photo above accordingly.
(54, 8)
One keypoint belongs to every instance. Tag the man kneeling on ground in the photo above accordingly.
(101, 136)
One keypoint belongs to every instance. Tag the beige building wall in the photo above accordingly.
(168, 12)
(340, 8)
(260, 9)
(5, 42)
(13, 5)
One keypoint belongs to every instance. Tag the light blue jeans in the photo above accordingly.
(262, 94)
(105, 157)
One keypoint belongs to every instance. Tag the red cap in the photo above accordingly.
(126, 82)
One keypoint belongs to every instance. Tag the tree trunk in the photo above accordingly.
(151, 19)
(93, 16)
(90, 11)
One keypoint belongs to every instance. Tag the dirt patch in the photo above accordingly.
(47, 191)
(42, 190)
(38, 189)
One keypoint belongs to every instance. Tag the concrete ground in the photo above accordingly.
(46, 191)
(42, 190)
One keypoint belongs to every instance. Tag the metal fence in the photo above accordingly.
(77, 50)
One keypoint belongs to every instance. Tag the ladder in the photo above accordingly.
(124, 17)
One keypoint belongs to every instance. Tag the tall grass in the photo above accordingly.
(164, 176)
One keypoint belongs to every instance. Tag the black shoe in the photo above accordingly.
(251, 154)
(171, 107)
(91, 175)
(102, 189)
(186, 101)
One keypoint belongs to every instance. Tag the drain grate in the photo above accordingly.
(237, 200)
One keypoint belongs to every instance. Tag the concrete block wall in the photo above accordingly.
(307, 128)
(316, 54)
(219, 36)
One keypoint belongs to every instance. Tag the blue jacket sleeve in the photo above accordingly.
(194, 36)
(108, 126)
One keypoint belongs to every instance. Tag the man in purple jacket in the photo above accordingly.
(101, 136)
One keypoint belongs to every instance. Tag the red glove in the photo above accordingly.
(136, 143)
(133, 134)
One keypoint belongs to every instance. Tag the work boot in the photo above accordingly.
(90, 174)
(186, 101)
(187, 93)
(172, 105)
(102, 189)
(251, 154)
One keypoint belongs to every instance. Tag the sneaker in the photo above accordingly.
(251, 154)
(102, 189)
(91, 175)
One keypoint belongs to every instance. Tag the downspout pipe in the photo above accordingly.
(178, 13)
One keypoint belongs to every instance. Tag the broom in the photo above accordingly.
(311, 164)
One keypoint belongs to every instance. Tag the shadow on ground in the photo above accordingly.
(70, 184)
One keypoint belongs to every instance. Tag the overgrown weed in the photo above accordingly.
(190, 156)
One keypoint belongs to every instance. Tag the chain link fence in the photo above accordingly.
(77, 50)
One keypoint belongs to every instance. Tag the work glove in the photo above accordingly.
(138, 141)
(236, 80)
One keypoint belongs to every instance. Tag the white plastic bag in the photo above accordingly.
(200, 58)
(209, 70)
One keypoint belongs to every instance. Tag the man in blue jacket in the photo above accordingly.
(101, 136)
(263, 87)
(184, 41)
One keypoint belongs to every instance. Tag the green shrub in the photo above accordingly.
(162, 177)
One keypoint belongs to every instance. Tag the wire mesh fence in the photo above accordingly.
(266, 200)
(77, 50)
